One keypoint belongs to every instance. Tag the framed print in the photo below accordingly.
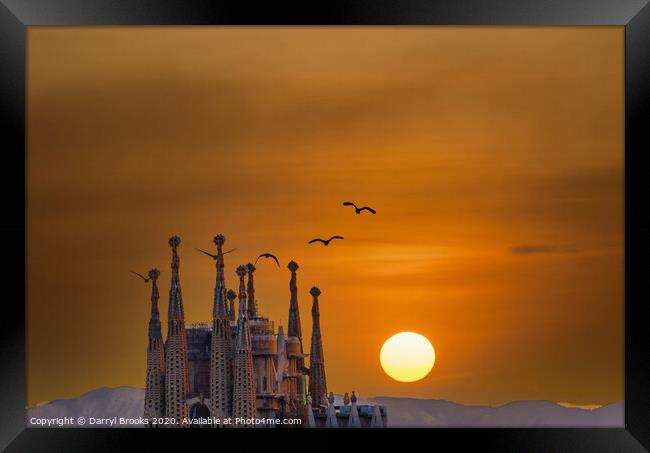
(368, 217)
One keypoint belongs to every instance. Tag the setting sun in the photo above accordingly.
(407, 357)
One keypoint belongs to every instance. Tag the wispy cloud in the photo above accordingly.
(530, 249)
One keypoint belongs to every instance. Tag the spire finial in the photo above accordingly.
(154, 323)
(174, 241)
(252, 308)
(154, 274)
(231, 295)
(241, 272)
(293, 266)
(219, 240)
(219, 309)
(314, 291)
(175, 309)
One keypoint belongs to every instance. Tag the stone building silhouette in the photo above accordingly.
(239, 367)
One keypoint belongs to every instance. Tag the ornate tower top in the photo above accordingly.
(219, 240)
(154, 274)
(231, 295)
(174, 241)
(315, 311)
(175, 310)
(252, 306)
(294, 329)
(155, 330)
(243, 335)
(220, 309)
(241, 271)
(317, 380)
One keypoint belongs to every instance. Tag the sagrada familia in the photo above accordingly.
(239, 368)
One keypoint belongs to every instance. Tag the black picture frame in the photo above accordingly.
(634, 15)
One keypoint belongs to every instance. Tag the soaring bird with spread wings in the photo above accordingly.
(358, 210)
(326, 241)
(214, 257)
(268, 255)
(146, 280)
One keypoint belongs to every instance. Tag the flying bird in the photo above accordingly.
(146, 280)
(358, 210)
(268, 255)
(325, 242)
(214, 257)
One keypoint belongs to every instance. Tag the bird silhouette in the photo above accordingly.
(268, 255)
(326, 242)
(146, 280)
(214, 257)
(358, 210)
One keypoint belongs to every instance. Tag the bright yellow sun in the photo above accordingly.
(407, 356)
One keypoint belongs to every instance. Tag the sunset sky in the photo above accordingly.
(493, 156)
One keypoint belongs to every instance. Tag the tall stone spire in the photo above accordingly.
(294, 329)
(231, 295)
(252, 306)
(154, 394)
(221, 347)
(220, 307)
(176, 373)
(244, 384)
(317, 381)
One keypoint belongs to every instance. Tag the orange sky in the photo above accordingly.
(494, 157)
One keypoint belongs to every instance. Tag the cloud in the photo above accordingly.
(530, 249)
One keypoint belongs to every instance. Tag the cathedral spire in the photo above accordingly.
(243, 330)
(155, 329)
(244, 385)
(252, 306)
(294, 329)
(176, 372)
(221, 347)
(220, 309)
(317, 381)
(154, 395)
(175, 310)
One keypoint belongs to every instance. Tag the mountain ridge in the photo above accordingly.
(125, 401)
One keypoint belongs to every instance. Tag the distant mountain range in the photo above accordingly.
(402, 412)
